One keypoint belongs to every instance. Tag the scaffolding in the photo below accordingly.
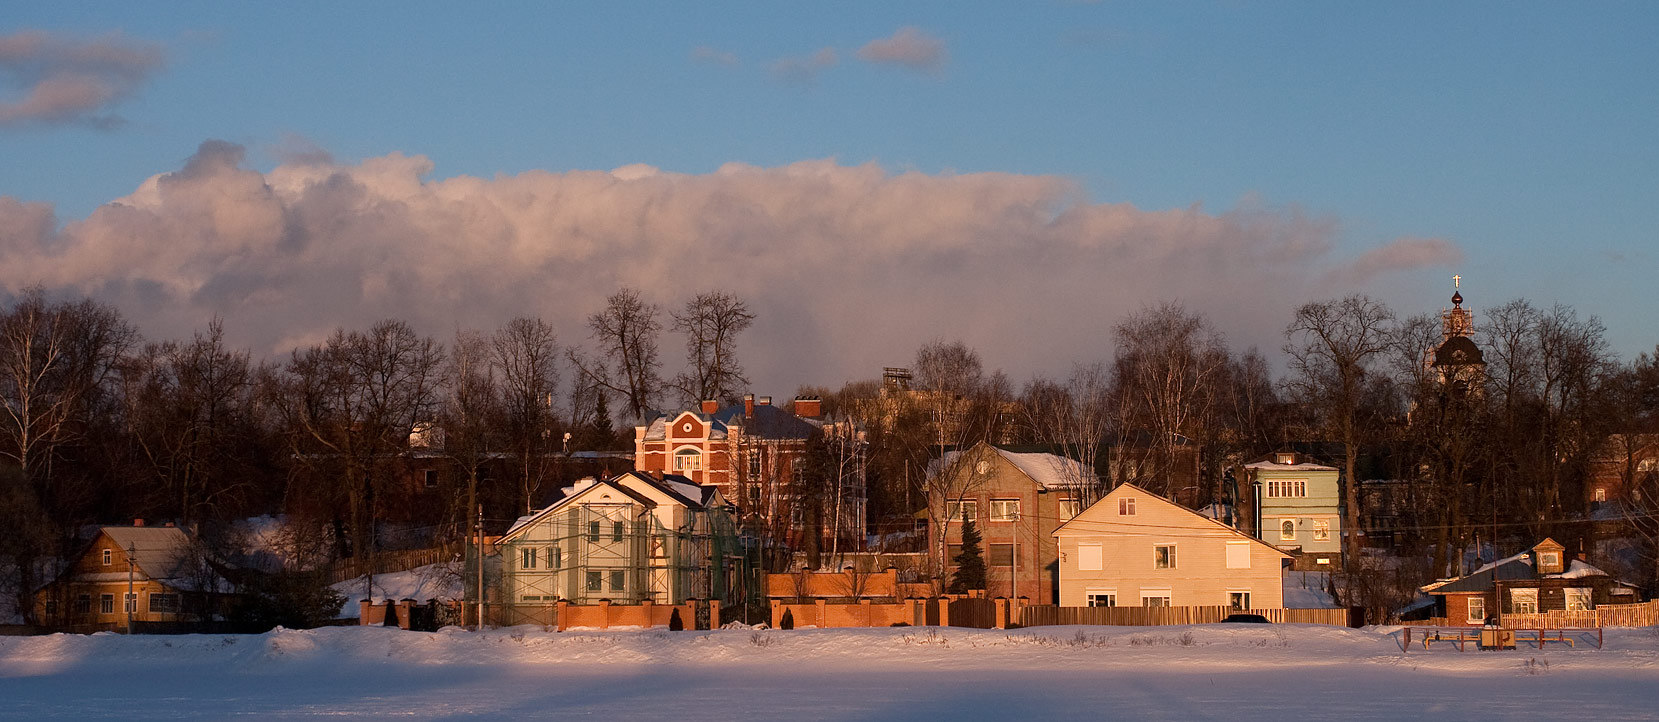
(617, 553)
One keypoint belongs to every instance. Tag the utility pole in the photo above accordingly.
(131, 600)
(480, 566)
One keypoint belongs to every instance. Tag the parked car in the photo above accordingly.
(1246, 619)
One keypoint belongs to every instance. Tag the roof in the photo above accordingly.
(1138, 491)
(163, 553)
(679, 488)
(574, 493)
(767, 422)
(1518, 566)
(1458, 351)
(1050, 471)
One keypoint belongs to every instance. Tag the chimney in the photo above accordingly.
(763, 401)
(169, 525)
(808, 407)
(748, 406)
(138, 522)
(710, 406)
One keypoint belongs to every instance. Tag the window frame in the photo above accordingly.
(688, 459)
(109, 557)
(1126, 506)
(1163, 556)
(1578, 599)
(527, 557)
(593, 581)
(1321, 530)
(1475, 602)
(1000, 510)
(1287, 530)
(1238, 600)
(1093, 597)
(618, 581)
(167, 600)
(106, 603)
(1524, 595)
(1069, 508)
(954, 510)
(1164, 597)
(995, 553)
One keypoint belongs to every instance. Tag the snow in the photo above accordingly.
(1308, 590)
(433, 581)
(1203, 672)
(1052, 472)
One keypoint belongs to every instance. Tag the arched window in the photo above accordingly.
(1287, 529)
(688, 460)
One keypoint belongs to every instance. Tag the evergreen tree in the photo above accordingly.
(970, 562)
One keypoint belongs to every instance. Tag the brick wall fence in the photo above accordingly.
(1644, 614)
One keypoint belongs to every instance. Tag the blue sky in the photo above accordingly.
(1521, 134)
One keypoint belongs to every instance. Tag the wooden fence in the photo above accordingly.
(1040, 615)
(1644, 614)
(394, 561)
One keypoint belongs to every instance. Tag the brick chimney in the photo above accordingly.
(748, 406)
(809, 407)
(138, 522)
(710, 406)
(763, 401)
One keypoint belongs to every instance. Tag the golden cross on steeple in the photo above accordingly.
(1457, 282)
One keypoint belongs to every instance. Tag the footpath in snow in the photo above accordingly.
(1202, 672)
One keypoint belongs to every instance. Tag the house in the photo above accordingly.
(1016, 501)
(632, 538)
(1135, 548)
(1541, 579)
(1620, 468)
(171, 580)
(1299, 508)
(754, 453)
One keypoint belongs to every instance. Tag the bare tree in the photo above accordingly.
(1331, 345)
(626, 331)
(1167, 374)
(191, 408)
(349, 406)
(1076, 418)
(710, 323)
(526, 354)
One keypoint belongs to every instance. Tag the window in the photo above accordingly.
(1126, 506)
(1238, 601)
(1089, 558)
(593, 531)
(131, 600)
(619, 580)
(754, 466)
(1107, 598)
(164, 603)
(109, 557)
(83, 604)
(965, 510)
(1163, 556)
(431, 478)
(1155, 598)
(1321, 530)
(1238, 555)
(1477, 610)
(1005, 509)
(1578, 599)
(952, 551)
(688, 460)
(1287, 488)
(1523, 601)
(555, 558)
(1284, 459)
(530, 598)
(593, 581)
(527, 558)
(1549, 560)
(616, 531)
(1068, 509)
(1287, 530)
(106, 604)
(1002, 555)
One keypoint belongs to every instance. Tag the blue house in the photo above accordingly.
(1298, 508)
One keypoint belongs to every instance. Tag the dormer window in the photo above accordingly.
(1286, 459)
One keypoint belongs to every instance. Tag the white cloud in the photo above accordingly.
(910, 47)
(63, 80)
(849, 268)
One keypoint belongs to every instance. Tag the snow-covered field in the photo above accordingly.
(1214, 672)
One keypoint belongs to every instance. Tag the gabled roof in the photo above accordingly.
(571, 498)
(1049, 471)
(1076, 523)
(767, 422)
(1511, 568)
(165, 554)
(1268, 463)
(679, 489)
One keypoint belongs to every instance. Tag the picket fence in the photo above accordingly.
(1040, 615)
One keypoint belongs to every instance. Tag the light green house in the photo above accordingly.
(1299, 507)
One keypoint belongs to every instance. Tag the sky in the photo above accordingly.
(868, 176)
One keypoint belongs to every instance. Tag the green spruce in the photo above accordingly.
(970, 562)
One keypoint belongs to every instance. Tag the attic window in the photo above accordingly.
(109, 557)
(1126, 506)
(1286, 459)
(686, 427)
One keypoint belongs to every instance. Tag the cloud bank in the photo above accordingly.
(849, 268)
(59, 80)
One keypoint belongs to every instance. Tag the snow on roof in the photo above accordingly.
(1048, 470)
(1271, 466)
(1578, 570)
(164, 553)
